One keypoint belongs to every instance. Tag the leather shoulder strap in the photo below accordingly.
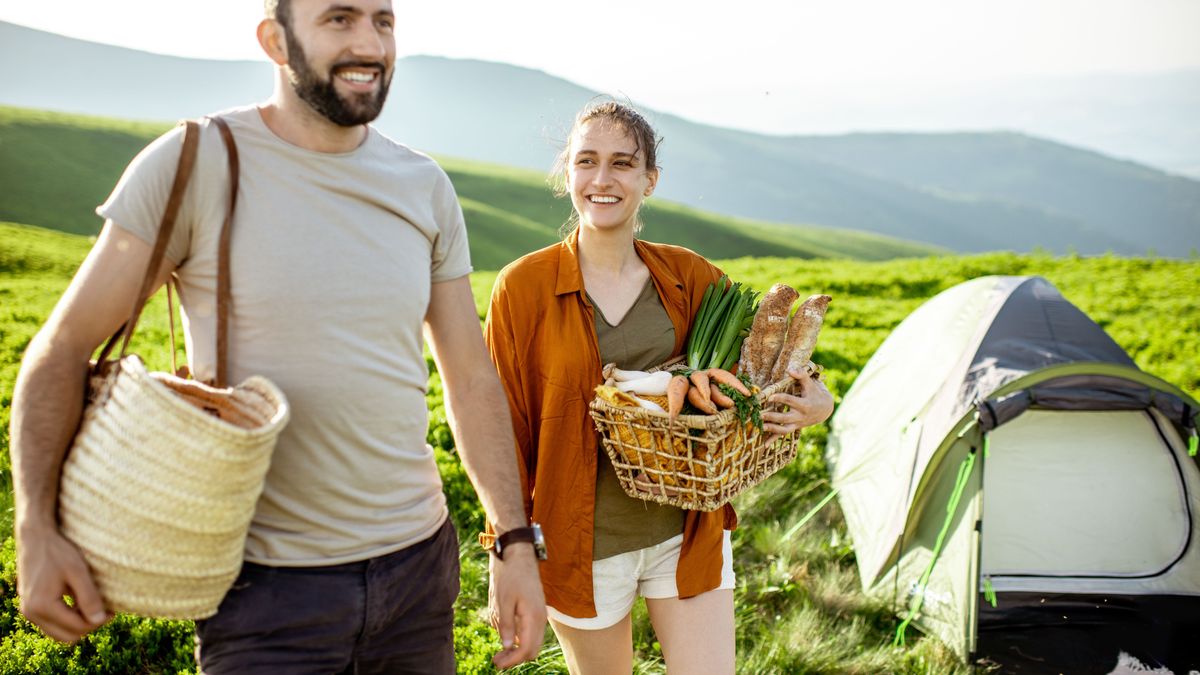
(183, 172)
(224, 295)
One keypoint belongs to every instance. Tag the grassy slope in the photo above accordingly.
(799, 608)
(55, 168)
(34, 267)
(526, 194)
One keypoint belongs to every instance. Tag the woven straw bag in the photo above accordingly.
(161, 481)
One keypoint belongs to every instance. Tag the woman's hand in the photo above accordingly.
(813, 405)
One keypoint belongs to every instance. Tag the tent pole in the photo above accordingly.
(977, 562)
(960, 484)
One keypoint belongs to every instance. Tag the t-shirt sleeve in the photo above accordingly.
(451, 253)
(137, 202)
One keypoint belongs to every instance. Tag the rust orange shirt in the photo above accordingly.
(541, 334)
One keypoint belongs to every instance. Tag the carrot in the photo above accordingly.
(700, 402)
(726, 377)
(719, 397)
(700, 379)
(676, 392)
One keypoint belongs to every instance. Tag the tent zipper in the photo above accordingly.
(989, 593)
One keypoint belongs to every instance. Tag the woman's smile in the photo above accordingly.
(606, 176)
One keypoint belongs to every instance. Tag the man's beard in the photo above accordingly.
(321, 95)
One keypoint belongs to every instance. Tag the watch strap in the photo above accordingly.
(498, 543)
(514, 536)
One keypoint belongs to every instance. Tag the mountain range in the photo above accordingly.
(56, 167)
(963, 191)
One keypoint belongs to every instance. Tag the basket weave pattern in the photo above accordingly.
(699, 463)
(161, 482)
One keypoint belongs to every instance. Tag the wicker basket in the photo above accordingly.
(160, 485)
(699, 463)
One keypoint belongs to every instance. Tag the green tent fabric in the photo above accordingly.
(1000, 445)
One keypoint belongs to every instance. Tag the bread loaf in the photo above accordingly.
(761, 348)
(801, 336)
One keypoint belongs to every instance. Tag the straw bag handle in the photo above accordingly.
(183, 172)
(223, 289)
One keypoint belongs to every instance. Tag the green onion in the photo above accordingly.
(720, 325)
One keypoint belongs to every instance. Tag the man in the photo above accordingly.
(345, 244)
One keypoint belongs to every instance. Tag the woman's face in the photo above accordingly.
(606, 176)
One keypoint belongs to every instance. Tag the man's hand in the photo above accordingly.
(46, 409)
(516, 605)
(487, 449)
(49, 567)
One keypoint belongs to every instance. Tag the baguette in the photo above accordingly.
(761, 348)
(801, 337)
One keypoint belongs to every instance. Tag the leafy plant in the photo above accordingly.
(747, 408)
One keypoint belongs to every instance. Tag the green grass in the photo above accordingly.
(799, 608)
(56, 168)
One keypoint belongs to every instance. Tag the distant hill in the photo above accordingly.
(965, 191)
(56, 167)
(1112, 198)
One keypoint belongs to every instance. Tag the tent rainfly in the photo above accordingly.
(1016, 486)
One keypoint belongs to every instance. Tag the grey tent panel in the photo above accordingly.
(1083, 392)
(1038, 327)
(1034, 328)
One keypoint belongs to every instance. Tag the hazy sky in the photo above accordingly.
(676, 55)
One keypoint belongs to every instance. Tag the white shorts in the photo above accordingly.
(648, 572)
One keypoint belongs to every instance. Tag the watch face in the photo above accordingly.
(539, 542)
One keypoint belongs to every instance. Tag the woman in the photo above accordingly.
(557, 315)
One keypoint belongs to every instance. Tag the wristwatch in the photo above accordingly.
(531, 534)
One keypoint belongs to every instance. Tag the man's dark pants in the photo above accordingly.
(391, 614)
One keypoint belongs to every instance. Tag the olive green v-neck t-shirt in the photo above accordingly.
(642, 339)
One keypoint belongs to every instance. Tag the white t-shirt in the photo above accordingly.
(332, 260)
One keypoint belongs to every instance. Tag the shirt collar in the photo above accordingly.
(662, 274)
(570, 277)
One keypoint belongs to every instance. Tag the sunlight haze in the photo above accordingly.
(769, 66)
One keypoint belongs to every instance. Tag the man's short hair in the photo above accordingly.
(280, 10)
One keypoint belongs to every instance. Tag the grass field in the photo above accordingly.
(799, 608)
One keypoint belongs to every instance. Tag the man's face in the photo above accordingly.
(341, 57)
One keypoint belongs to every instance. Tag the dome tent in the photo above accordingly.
(1015, 485)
